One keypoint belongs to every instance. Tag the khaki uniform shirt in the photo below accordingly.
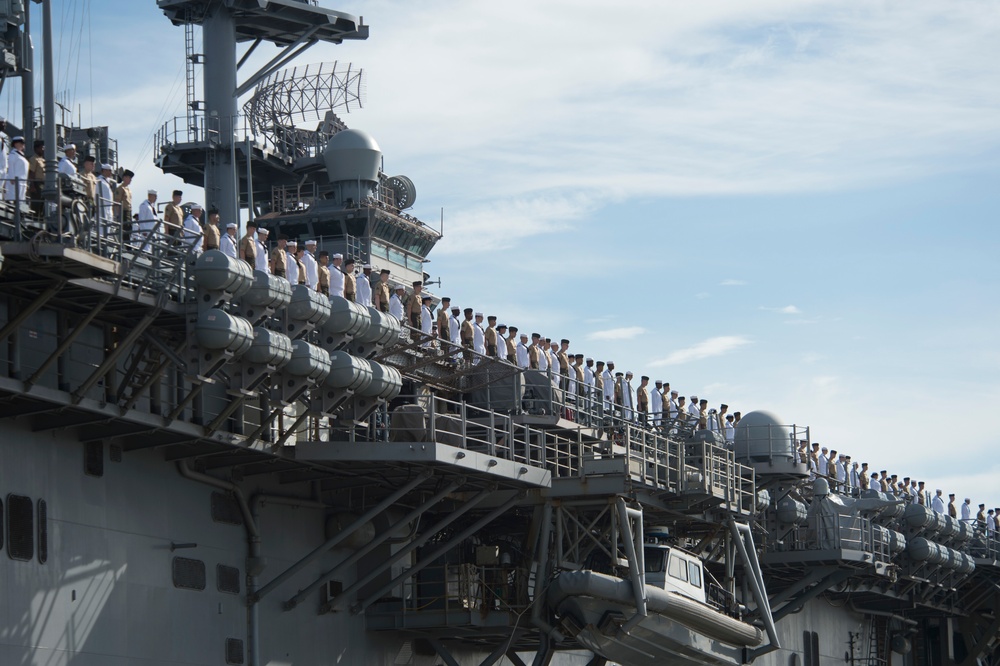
(302, 270)
(444, 329)
(350, 286)
(90, 182)
(280, 259)
(642, 399)
(211, 237)
(533, 357)
(36, 169)
(382, 296)
(248, 250)
(173, 219)
(413, 310)
(123, 197)
(466, 333)
(511, 349)
(324, 279)
(563, 363)
(490, 336)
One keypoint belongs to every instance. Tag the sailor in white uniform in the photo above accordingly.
(938, 502)
(3, 153)
(656, 403)
(455, 331)
(66, 165)
(543, 357)
(522, 351)
(674, 409)
(479, 335)
(967, 510)
(628, 397)
(426, 319)
(312, 268)
(261, 256)
(192, 232)
(291, 265)
(105, 201)
(364, 286)
(396, 302)
(590, 383)
(228, 242)
(148, 219)
(337, 275)
(608, 378)
(16, 171)
(823, 463)
(730, 429)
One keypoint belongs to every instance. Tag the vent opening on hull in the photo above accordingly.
(188, 574)
(225, 509)
(20, 528)
(93, 458)
(234, 651)
(227, 579)
(43, 531)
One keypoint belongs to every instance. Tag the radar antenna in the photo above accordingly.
(304, 94)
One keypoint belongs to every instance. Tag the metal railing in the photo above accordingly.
(465, 587)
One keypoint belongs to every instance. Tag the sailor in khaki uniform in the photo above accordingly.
(279, 257)
(508, 342)
(89, 178)
(350, 283)
(36, 177)
(413, 305)
(123, 201)
(173, 216)
(564, 370)
(248, 245)
(382, 291)
(467, 332)
(598, 393)
(323, 273)
(213, 235)
(533, 351)
(642, 399)
(490, 336)
(300, 265)
(444, 327)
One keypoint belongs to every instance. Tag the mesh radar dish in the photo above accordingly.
(305, 94)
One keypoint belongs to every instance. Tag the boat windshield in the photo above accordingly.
(655, 558)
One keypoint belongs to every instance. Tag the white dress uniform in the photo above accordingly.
(730, 432)
(822, 465)
(841, 472)
(228, 246)
(674, 409)
(396, 307)
(312, 272)
(713, 420)
(426, 319)
(694, 412)
(337, 282)
(3, 159)
(478, 339)
(67, 167)
(106, 205)
(938, 504)
(609, 389)
(855, 477)
(454, 335)
(192, 234)
(966, 511)
(364, 295)
(543, 360)
(16, 168)
(656, 405)
(521, 355)
(261, 262)
(628, 400)
(291, 269)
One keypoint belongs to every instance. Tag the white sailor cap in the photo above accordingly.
(336, 255)
(106, 167)
(69, 146)
(151, 192)
(674, 392)
(292, 242)
(310, 242)
(398, 287)
(193, 206)
(231, 225)
(628, 373)
(262, 232)
(366, 267)
(590, 360)
(479, 314)
(16, 139)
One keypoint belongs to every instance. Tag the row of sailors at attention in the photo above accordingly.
(851, 478)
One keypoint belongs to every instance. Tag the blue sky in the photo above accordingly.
(781, 205)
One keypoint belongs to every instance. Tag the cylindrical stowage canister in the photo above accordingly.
(268, 291)
(217, 329)
(346, 318)
(386, 382)
(384, 328)
(921, 549)
(216, 270)
(308, 306)
(925, 519)
(348, 372)
(308, 361)
(269, 348)
(792, 512)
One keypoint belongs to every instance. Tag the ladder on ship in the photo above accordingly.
(877, 643)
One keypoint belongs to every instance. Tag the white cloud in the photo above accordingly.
(716, 346)
(788, 310)
(733, 283)
(624, 333)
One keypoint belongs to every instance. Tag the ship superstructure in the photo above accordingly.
(204, 464)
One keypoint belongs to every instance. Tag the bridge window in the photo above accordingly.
(694, 573)
(678, 568)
